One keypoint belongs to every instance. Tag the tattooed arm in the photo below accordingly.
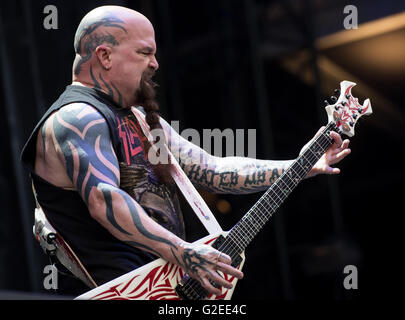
(235, 175)
(82, 143)
(240, 175)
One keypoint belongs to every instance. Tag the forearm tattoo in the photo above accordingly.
(234, 175)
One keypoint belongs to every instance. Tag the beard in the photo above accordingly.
(145, 96)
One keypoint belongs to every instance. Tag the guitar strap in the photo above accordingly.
(195, 200)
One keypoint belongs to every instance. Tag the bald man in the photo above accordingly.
(89, 161)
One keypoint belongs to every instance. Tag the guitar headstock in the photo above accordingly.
(346, 110)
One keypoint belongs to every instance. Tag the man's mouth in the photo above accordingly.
(148, 75)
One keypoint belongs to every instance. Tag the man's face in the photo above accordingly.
(134, 61)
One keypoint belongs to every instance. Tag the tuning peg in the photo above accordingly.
(337, 107)
(351, 123)
(326, 103)
(333, 99)
(343, 103)
(336, 92)
(359, 110)
(354, 116)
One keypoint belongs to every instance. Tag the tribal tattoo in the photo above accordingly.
(109, 86)
(91, 34)
(82, 136)
(194, 263)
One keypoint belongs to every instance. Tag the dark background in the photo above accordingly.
(239, 64)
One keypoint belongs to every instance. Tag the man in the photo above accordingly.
(89, 161)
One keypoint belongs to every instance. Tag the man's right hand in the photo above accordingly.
(202, 262)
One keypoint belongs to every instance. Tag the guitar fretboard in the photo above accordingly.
(254, 220)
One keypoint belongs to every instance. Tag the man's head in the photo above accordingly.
(115, 52)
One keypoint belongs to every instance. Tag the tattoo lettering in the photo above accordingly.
(275, 174)
(256, 178)
(232, 175)
(234, 178)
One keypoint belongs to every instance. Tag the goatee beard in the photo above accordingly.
(145, 96)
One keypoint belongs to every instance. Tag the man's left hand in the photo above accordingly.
(336, 153)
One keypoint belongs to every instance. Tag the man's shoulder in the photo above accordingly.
(78, 113)
(77, 118)
(80, 110)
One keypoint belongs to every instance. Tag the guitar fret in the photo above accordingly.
(248, 228)
(244, 234)
(260, 212)
(280, 192)
(320, 147)
(253, 221)
(259, 216)
(297, 179)
(256, 224)
(286, 186)
(232, 245)
(232, 238)
(289, 176)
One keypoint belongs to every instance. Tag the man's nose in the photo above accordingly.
(153, 63)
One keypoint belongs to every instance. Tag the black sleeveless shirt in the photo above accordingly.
(104, 256)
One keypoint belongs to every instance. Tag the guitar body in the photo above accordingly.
(156, 280)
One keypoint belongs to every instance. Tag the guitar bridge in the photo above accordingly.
(190, 289)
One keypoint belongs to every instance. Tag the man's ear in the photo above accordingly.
(103, 54)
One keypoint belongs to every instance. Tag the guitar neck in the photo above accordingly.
(254, 220)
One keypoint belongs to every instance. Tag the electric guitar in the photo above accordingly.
(162, 280)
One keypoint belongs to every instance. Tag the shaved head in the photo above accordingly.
(102, 25)
(115, 53)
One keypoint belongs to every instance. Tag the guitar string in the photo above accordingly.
(313, 157)
(267, 205)
(283, 188)
(196, 287)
